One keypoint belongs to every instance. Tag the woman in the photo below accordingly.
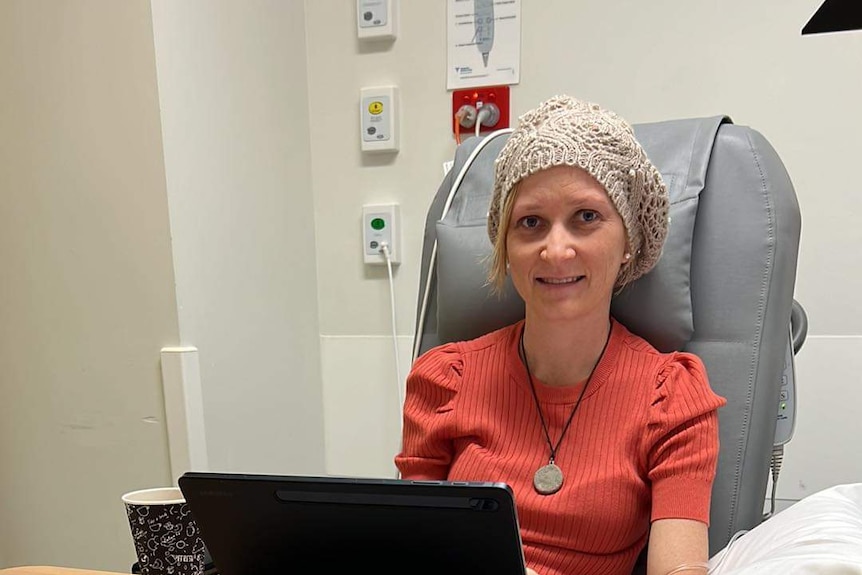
(605, 441)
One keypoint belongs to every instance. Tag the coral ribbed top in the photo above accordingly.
(643, 445)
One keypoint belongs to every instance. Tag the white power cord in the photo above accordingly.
(384, 249)
(420, 324)
(484, 113)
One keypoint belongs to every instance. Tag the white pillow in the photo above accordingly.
(821, 534)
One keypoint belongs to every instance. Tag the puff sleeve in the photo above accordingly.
(432, 386)
(682, 440)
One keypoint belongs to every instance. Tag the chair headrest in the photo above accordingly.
(657, 306)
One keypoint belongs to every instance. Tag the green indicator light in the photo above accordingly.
(783, 405)
(378, 223)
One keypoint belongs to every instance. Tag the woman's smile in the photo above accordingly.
(564, 281)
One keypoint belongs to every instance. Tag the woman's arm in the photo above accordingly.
(675, 543)
(426, 441)
(683, 455)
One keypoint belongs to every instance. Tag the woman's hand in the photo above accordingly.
(531, 572)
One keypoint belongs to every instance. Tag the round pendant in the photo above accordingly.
(548, 479)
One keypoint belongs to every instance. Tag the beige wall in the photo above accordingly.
(359, 380)
(234, 101)
(86, 295)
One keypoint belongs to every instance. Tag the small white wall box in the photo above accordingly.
(378, 109)
(376, 19)
(381, 223)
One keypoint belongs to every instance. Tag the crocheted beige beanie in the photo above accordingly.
(567, 131)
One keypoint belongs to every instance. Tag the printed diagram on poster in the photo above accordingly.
(484, 43)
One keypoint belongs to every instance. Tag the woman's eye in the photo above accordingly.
(530, 222)
(588, 215)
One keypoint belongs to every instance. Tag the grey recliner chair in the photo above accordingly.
(723, 288)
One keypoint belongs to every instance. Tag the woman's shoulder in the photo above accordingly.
(638, 345)
(450, 358)
(458, 349)
(672, 369)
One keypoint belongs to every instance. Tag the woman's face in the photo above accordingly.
(565, 243)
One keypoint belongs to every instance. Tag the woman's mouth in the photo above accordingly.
(560, 281)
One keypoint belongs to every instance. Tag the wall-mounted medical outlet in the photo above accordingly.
(377, 19)
(473, 100)
(378, 111)
(381, 225)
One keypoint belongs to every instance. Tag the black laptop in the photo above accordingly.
(266, 524)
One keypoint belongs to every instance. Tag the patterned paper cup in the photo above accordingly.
(167, 540)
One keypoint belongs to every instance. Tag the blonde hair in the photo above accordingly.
(498, 267)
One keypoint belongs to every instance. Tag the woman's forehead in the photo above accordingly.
(562, 184)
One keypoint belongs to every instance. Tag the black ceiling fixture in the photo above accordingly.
(835, 16)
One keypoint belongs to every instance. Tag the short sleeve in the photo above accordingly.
(432, 386)
(682, 440)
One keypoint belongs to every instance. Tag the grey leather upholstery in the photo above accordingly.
(723, 288)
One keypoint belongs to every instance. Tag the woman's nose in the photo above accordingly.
(559, 245)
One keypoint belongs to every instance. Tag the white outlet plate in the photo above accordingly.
(378, 110)
(377, 19)
(381, 223)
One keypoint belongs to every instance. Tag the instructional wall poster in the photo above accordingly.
(484, 43)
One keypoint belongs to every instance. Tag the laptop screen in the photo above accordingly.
(259, 524)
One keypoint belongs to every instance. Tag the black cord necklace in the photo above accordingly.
(548, 479)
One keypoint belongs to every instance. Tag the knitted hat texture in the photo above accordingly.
(566, 131)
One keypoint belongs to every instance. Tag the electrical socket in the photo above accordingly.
(377, 19)
(479, 97)
(381, 223)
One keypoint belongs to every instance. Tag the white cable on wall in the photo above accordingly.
(484, 113)
(384, 248)
(420, 323)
